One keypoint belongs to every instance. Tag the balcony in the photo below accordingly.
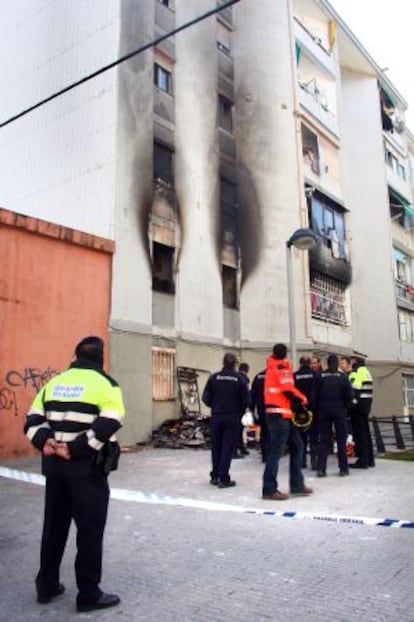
(313, 48)
(317, 109)
(405, 294)
(398, 183)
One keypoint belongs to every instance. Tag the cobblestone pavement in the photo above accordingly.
(171, 563)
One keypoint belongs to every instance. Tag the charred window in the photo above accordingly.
(328, 222)
(163, 268)
(229, 242)
(225, 114)
(163, 163)
(230, 289)
(229, 223)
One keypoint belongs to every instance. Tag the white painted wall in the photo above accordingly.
(199, 308)
(57, 162)
(374, 312)
(267, 148)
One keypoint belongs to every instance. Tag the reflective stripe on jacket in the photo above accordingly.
(279, 379)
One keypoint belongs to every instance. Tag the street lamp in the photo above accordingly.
(304, 240)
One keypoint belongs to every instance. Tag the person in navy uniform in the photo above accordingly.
(332, 397)
(304, 379)
(258, 409)
(227, 394)
(241, 450)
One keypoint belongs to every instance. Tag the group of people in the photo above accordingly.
(337, 401)
(74, 417)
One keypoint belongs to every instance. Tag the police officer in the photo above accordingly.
(241, 450)
(72, 422)
(362, 385)
(304, 378)
(333, 394)
(226, 393)
(257, 405)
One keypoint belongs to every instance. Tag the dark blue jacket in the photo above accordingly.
(226, 393)
(304, 380)
(257, 393)
(333, 391)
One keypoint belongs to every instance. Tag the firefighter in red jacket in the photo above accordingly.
(280, 394)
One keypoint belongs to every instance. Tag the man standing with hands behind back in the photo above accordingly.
(227, 395)
(72, 422)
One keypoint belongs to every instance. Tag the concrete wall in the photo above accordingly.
(57, 162)
(199, 291)
(271, 201)
(366, 195)
(54, 290)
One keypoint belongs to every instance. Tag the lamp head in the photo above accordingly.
(303, 239)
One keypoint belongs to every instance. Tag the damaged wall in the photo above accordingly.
(267, 146)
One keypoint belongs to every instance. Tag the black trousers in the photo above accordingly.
(85, 500)
(337, 418)
(362, 437)
(223, 429)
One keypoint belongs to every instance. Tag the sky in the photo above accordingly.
(385, 30)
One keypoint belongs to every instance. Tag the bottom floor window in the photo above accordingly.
(408, 388)
(163, 374)
(328, 299)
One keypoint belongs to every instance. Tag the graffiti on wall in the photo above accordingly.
(16, 384)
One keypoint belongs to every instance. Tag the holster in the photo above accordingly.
(107, 459)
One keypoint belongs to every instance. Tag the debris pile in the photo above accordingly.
(183, 432)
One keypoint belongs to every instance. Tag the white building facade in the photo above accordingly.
(200, 157)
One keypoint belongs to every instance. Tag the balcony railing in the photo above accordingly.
(328, 300)
(404, 291)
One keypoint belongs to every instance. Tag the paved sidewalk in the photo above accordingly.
(187, 563)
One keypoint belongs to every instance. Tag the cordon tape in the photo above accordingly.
(137, 496)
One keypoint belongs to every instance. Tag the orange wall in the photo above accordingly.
(54, 290)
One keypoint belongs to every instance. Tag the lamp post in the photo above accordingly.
(304, 240)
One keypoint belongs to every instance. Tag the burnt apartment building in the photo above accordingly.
(189, 166)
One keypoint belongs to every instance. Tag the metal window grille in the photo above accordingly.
(408, 390)
(328, 299)
(163, 360)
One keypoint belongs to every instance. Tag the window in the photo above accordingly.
(163, 374)
(328, 299)
(162, 78)
(229, 223)
(230, 289)
(163, 163)
(408, 390)
(329, 225)
(162, 268)
(403, 276)
(225, 114)
(310, 149)
(406, 325)
(165, 2)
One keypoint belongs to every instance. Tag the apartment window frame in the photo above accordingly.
(328, 223)
(328, 299)
(229, 277)
(163, 257)
(405, 326)
(408, 390)
(163, 78)
(163, 163)
(225, 114)
(163, 374)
